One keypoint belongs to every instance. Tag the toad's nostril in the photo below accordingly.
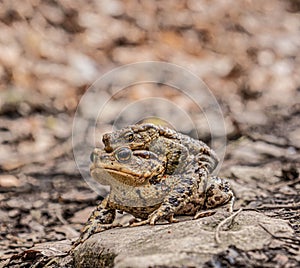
(108, 148)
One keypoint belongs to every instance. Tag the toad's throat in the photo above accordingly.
(125, 193)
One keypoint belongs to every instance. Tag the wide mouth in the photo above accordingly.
(93, 167)
(116, 177)
(122, 173)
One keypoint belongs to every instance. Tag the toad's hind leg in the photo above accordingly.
(183, 190)
(219, 193)
(100, 220)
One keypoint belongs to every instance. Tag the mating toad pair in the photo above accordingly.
(154, 173)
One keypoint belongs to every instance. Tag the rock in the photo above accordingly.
(111, 8)
(81, 215)
(187, 243)
(265, 57)
(294, 137)
(80, 196)
(256, 152)
(7, 181)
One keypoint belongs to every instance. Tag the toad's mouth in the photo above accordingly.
(109, 176)
(121, 173)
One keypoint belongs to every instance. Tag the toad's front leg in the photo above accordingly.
(100, 220)
(178, 197)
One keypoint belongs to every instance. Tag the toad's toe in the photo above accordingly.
(140, 223)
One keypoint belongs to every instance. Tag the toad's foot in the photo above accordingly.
(140, 223)
(100, 220)
(153, 218)
(203, 214)
(94, 228)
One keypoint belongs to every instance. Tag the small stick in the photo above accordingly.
(295, 240)
(231, 217)
(275, 206)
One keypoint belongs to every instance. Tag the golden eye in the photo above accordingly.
(129, 136)
(123, 154)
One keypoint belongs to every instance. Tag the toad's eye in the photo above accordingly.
(129, 136)
(93, 157)
(123, 154)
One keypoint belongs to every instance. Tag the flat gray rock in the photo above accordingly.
(188, 243)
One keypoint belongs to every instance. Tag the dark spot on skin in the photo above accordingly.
(173, 201)
(180, 190)
(209, 193)
(167, 209)
(190, 192)
(138, 191)
(217, 198)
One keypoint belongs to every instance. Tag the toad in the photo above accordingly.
(140, 185)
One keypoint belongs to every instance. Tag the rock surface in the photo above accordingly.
(188, 243)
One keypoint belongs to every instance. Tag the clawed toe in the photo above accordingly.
(203, 214)
(152, 220)
(171, 219)
(140, 223)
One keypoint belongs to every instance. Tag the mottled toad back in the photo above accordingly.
(171, 146)
(150, 184)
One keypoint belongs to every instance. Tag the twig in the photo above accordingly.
(60, 217)
(292, 183)
(231, 217)
(275, 206)
(293, 240)
(281, 184)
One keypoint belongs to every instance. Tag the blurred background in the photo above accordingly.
(247, 53)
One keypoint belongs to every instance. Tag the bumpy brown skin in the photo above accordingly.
(141, 187)
(171, 146)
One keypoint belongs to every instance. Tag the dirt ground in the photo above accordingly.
(247, 53)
